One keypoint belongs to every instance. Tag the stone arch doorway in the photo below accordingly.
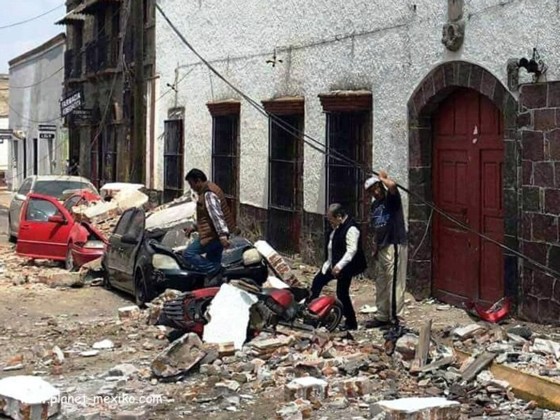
(452, 89)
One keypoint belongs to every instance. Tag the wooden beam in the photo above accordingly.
(423, 348)
(479, 364)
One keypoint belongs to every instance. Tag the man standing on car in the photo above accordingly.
(389, 250)
(214, 224)
(346, 259)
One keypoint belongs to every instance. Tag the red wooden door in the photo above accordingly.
(467, 183)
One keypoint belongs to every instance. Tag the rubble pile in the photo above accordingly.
(104, 215)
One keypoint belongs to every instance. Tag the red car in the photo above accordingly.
(49, 231)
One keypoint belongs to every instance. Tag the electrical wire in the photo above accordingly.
(36, 83)
(11, 25)
(319, 146)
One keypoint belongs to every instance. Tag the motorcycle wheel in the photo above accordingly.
(333, 318)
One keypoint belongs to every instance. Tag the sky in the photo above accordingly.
(19, 39)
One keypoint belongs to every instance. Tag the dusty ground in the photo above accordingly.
(37, 318)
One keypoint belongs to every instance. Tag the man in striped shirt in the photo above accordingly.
(214, 224)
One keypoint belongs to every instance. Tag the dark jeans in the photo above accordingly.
(342, 293)
(213, 261)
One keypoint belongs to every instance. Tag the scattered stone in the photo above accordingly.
(307, 388)
(28, 397)
(367, 309)
(129, 312)
(418, 408)
(339, 403)
(103, 345)
(521, 331)
(226, 349)
(406, 346)
(546, 347)
(58, 354)
(231, 385)
(468, 331)
(89, 353)
(357, 387)
(126, 370)
(179, 357)
(131, 415)
(295, 410)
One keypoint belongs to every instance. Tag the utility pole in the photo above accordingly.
(138, 158)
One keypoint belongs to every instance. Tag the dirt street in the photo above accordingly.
(52, 333)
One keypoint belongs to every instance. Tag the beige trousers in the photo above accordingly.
(390, 266)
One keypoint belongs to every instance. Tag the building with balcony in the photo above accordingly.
(107, 128)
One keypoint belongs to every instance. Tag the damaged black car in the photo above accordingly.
(144, 255)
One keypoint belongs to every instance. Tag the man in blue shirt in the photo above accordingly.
(389, 249)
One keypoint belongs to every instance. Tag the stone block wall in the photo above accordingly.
(539, 128)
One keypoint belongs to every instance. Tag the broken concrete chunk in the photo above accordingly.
(478, 365)
(418, 408)
(129, 198)
(406, 346)
(28, 397)
(89, 353)
(546, 347)
(308, 388)
(357, 387)
(128, 312)
(266, 345)
(277, 263)
(125, 370)
(230, 303)
(226, 349)
(229, 385)
(468, 331)
(103, 345)
(179, 357)
(295, 410)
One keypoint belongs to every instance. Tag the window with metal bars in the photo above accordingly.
(285, 184)
(225, 157)
(173, 159)
(349, 136)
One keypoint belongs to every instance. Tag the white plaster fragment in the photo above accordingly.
(412, 405)
(103, 345)
(229, 316)
(17, 392)
(171, 216)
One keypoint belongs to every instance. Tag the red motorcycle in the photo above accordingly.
(290, 307)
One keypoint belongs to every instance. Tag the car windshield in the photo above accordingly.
(56, 188)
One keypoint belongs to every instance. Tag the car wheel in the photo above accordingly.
(106, 278)
(69, 262)
(140, 289)
(11, 238)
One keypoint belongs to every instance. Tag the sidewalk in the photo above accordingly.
(5, 198)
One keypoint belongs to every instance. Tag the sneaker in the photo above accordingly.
(376, 323)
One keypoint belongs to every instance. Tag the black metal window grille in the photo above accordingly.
(285, 184)
(173, 159)
(348, 135)
(225, 157)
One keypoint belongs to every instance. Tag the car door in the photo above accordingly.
(44, 228)
(114, 254)
(17, 204)
(131, 243)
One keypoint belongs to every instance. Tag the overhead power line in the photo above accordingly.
(11, 25)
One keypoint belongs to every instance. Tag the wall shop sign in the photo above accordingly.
(71, 102)
(47, 136)
(83, 114)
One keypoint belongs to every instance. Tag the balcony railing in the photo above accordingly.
(72, 64)
(102, 54)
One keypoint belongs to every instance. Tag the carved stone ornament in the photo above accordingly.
(454, 30)
(453, 35)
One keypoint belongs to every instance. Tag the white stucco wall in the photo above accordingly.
(384, 46)
(36, 84)
(3, 146)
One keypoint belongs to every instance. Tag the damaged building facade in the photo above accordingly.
(105, 87)
(432, 92)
